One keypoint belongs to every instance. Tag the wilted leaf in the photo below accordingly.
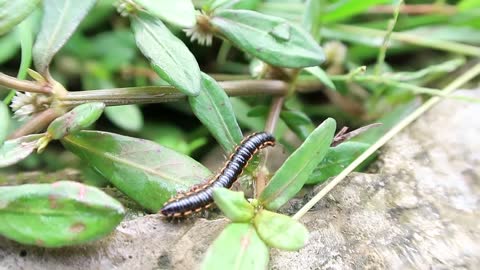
(12, 151)
(237, 248)
(77, 119)
(60, 19)
(145, 171)
(170, 58)
(337, 159)
(271, 39)
(292, 175)
(180, 12)
(280, 231)
(13, 12)
(214, 110)
(59, 214)
(233, 204)
(127, 117)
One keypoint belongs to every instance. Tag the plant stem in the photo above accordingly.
(416, 9)
(159, 94)
(411, 39)
(23, 85)
(37, 123)
(464, 78)
(383, 49)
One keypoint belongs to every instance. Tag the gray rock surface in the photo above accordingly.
(419, 211)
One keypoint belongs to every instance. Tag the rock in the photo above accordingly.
(419, 211)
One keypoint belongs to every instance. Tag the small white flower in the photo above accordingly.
(201, 31)
(29, 104)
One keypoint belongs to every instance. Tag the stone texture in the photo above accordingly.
(419, 211)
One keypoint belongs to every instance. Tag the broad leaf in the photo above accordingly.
(321, 76)
(170, 58)
(233, 204)
(293, 174)
(145, 171)
(59, 214)
(60, 19)
(180, 12)
(280, 231)
(215, 111)
(77, 119)
(337, 159)
(4, 122)
(13, 151)
(13, 12)
(237, 248)
(127, 117)
(271, 39)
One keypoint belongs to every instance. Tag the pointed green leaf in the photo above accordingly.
(238, 247)
(13, 12)
(312, 17)
(340, 10)
(13, 151)
(293, 174)
(145, 171)
(170, 58)
(337, 159)
(60, 19)
(271, 39)
(280, 231)
(215, 111)
(77, 119)
(180, 12)
(233, 204)
(321, 76)
(298, 122)
(127, 117)
(4, 122)
(59, 214)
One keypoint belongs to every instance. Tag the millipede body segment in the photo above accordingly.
(201, 197)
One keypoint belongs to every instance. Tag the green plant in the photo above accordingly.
(282, 43)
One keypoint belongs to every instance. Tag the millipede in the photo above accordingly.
(200, 197)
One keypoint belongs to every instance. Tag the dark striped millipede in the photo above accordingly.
(200, 197)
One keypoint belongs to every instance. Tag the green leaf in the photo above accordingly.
(298, 122)
(9, 45)
(12, 151)
(233, 204)
(146, 172)
(271, 39)
(59, 214)
(466, 5)
(180, 12)
(337, 159)
(4, 122)
(215, 111)
(127, 117)
(321, 76)
(60, 19)
(312, 18)
(241, 109)
(293, 174)
(341, 10)
(280, 231)
(170, 58)
(238, 247)
(77, 119)
(13, 12)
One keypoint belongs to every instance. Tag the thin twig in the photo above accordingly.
(464, 78)
(23, 85)
(36, 123)
(383, 49)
